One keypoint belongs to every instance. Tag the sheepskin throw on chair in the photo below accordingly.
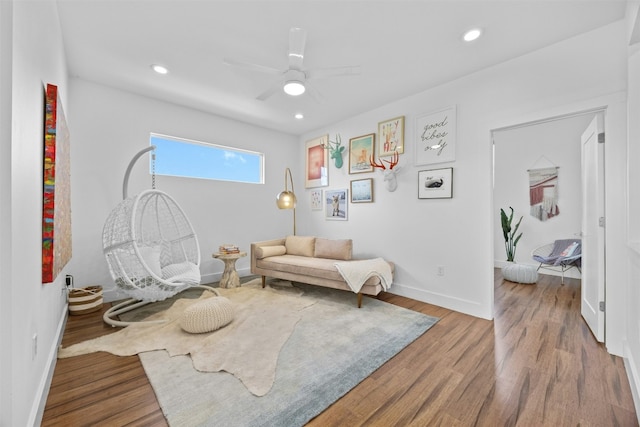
(543, 193)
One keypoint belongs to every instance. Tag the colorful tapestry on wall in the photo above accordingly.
(56, 191)
(543, 193)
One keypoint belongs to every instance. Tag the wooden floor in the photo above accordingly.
(536, 364)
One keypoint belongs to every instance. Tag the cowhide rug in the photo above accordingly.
(248, 347)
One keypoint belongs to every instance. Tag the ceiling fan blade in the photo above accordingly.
(252, 67)
(297, 41)
(267, 93)
(314, 94)
(323, 73)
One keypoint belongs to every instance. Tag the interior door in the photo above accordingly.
(593, 266)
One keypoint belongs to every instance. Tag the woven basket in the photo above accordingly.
(85, 300)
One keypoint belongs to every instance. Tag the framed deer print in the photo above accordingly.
(391, 136)
(435, 184)
(360, 153)
(436, 137)
(336, 206)
(317, 163)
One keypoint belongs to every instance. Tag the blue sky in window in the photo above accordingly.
(195, 160)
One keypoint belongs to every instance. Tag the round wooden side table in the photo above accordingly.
(230, 278)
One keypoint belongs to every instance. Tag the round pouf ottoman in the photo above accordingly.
(207, 315)
(520, 273)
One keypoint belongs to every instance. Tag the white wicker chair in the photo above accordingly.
(151, 248)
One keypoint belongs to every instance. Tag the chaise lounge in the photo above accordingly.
(322, 262)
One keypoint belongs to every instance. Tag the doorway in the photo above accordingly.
(549, 143)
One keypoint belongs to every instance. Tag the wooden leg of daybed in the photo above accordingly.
(263, 281)
(359, 299)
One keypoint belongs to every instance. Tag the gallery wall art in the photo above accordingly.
(337, 204)
(435, 184)
(361, 150)
(391, 137)
(317, 163)
(436, 137)
(56, 191)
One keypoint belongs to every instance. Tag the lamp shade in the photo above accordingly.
(286, 200)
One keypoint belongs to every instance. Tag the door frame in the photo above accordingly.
(614, 107)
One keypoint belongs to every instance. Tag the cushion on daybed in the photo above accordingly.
(267, 251)
(333, 249)
(300, 245)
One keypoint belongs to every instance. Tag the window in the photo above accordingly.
(193, 159)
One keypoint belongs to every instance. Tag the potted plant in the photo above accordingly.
(509, 233)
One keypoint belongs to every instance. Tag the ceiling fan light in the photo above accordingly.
(294, 87)
(159, 69)
(472, 34)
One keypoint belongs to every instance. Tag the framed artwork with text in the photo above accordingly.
(436, 137)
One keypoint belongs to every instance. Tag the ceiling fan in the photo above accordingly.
(295, 79)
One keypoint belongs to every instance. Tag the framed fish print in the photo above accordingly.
(435, 184)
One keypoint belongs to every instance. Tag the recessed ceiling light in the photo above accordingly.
(159, 69)
(299, 116)
(471, 35)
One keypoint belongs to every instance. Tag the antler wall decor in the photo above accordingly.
(336, 151)
(390, 181)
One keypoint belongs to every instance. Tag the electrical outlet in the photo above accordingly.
(441, 270)
(69, 281)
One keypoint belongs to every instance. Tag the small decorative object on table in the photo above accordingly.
(228, 249)
(230, 278)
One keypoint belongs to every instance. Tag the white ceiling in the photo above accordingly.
(402, 47)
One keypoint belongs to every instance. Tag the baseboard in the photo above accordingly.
(632, 376)
(40, 401)
(462, 305)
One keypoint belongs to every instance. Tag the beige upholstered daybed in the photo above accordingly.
(322, 262)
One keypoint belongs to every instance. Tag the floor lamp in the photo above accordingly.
(287, 199)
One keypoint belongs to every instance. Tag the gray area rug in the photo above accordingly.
(333, 347)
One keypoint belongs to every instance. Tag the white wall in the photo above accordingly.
(632, 312)
(30, 307)
(6, 292)
(547, 144)
(110, 126)
(420, 235)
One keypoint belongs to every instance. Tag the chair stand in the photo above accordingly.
(563, 268)
(132, 304)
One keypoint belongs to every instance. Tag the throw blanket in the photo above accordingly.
(355, 273)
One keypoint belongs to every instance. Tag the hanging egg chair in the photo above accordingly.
(151, 248)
